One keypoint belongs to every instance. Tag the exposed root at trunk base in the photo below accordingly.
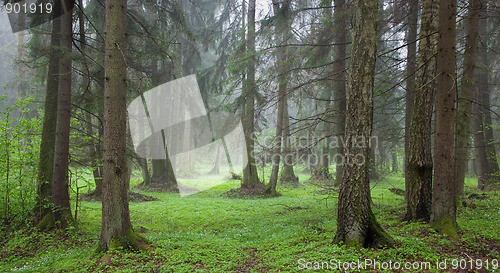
(133, 197)
(321, 174)
(161, 184)
(131, 241)
(375, 237)
(56, 220)
(289, 180)
(243, 192)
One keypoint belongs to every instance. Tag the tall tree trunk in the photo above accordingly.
(356, 223)
(484, 91)
(163, 176)
(61, 213)
(21, 53)
(466, 95)
(444, 188)
(419, 168)
(281, 13)
(95, 156)
(411, 69)
(394, 161)
(287, 173)
(116, 230)
(339, 82)
(250, 175)
(47, 144)
(322, 171)
(483, 165)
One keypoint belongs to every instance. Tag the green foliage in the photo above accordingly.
(210, 232)
(19, 142)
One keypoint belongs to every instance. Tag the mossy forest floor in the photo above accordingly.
(213, 232)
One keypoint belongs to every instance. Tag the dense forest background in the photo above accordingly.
(271, 135)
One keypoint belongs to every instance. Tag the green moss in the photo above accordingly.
(48, 222)
(353, 244)
(137, 241)
(446, 226)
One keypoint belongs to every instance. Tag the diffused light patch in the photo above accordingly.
(172, 119)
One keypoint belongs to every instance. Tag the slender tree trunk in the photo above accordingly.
(411, 68)
(95, 157)
(287, 173)
(116, 230)
(444, 188)
(250, 175)
(394, 160)
(21, 53)
(47, 144)
(466, 95)
(61, 213)
(339, 83)
(419, 168)
(163, 176)
(483, 164)
(484, 91)
(281, 12)
(356, 223)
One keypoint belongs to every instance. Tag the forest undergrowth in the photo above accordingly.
(213, 232)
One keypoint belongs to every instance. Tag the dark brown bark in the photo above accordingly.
(250, 175)
(116, 230)
(466, 95)
(60, 187)
(444, 190)
(356, 223)
(419, 168)
(47, 144)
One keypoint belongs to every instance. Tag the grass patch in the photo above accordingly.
(211, 232)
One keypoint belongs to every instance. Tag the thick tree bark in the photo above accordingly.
(116, 230)
(356, 223)
(444, 188)
(339, 82)
(466, 95)
(250, 175)
(60, 216)
(419, 168)
(47, 144)
(411, 69)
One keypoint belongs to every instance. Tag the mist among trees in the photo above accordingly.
(250, 136)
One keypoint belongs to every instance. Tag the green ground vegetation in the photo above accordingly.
(213, 232)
